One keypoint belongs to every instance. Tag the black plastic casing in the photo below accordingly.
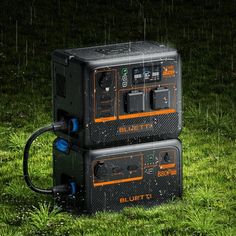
(121, 94)
(110, 179)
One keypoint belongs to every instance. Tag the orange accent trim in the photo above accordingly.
(118, 181)
(134, 128)
(168, 71)
(173, 172)
(104, 119)
(142, 114)
(163, 173)
(166, 166)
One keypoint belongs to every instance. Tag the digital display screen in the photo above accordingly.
(146, 74)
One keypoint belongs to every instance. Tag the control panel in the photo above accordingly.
(145, 174)
(134, 167)
(132, 91)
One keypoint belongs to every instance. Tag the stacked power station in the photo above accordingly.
(117, 117)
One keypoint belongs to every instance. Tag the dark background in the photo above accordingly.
(203, 32)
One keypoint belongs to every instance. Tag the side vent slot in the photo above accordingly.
(61, 85)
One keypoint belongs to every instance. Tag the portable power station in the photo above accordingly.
(120, 94)
(117, 116)
(110, 179)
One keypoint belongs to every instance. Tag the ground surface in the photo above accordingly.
(204, 32)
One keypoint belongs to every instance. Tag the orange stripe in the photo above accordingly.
(169, 73)
(166, 166)
(104, 119)
(117, 181)
(173, 172)
(152, 113)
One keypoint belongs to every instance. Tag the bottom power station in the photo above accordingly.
(110, 179)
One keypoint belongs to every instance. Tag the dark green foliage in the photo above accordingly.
(203, 32)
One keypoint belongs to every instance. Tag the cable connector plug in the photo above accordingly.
(71, 189)
(60, 125)
(71, 125)
(60, 189)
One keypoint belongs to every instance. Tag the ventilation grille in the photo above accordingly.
(60, 85)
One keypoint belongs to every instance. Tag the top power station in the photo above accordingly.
(118, 94)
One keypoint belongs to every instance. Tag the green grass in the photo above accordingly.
(207, 208)
(204, 34)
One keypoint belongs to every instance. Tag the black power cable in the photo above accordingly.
(56, 189)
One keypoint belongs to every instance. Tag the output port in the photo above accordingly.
(105, 80)
(160, 98)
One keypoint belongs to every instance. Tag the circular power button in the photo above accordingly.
(100, 170)
(166, 157)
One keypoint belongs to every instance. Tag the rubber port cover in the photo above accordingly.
(135, 102)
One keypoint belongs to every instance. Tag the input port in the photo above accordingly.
(71, 123)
